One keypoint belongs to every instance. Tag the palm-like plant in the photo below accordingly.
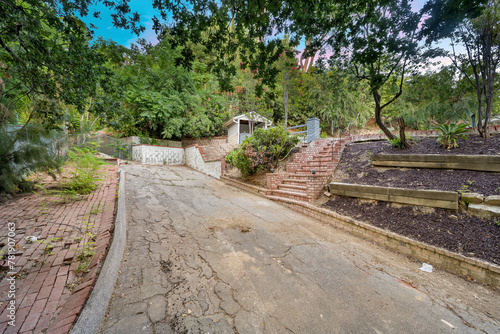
(450, 134)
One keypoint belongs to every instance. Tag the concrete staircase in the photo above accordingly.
(299, 183)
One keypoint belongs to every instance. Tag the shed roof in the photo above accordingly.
(252, 116)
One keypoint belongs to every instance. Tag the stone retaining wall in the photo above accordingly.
(158, 155)
(204, 141)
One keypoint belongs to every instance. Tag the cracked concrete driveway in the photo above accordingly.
(203, 257)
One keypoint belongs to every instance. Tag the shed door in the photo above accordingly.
(243, 136)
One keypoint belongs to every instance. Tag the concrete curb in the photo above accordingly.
(95, 309)
(479, 270)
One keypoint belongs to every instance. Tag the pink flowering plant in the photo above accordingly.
(263, 150)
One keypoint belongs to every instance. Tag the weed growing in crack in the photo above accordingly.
(49, 246)
(87, 252)
(465, 187)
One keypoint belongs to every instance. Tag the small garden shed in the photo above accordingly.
(242, 126)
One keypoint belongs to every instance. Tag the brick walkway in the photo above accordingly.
(50, 289)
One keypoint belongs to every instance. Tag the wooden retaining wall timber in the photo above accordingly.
(433, 198)
(485, 163)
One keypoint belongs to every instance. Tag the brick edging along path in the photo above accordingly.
(458, 264)
(49, 292)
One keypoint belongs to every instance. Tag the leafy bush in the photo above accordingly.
(230, 157)
(263, 150)
(450, 134)
(396, 142)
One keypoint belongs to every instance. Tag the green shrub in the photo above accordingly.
(263, 150)
(230, 157)
(450, 134)
(396, 142)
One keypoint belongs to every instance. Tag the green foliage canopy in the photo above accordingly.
(163, 100)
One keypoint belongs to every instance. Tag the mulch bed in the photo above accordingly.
(456, 231)
(355, 167)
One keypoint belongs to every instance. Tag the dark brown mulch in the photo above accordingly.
(355, 167)
(474, 145)
(456, 231)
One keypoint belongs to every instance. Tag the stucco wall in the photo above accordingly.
(233, 140)
(232, 129)
(158, 155)
(194, 159)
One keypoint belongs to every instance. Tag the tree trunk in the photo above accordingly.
(490, 65)
(378, 118)
(479, 108)
(402, 136)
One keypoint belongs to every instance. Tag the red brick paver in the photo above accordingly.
(49, 290)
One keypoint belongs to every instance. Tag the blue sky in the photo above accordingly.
(123, 36)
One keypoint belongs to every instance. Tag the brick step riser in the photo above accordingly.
(289, 194)
(308, 169)
(329, 150)
(319, 173)
(327, 153)
(292, 183)
(318, 166)
(328, 156)
(293, 197)
(291, 187)
(301, 175)
(299, 178)
(321, 163)
(322, 159)
(293, 178)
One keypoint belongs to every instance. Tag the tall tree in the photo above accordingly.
(478, 32)
(380, 45)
